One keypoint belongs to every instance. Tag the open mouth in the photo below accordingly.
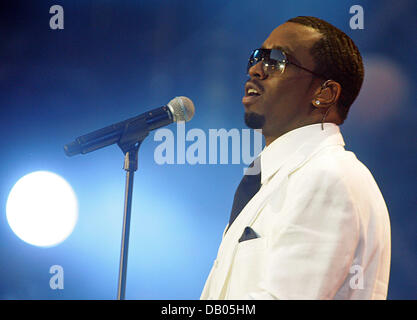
(252, 92)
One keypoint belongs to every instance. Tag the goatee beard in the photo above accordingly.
(254, 120)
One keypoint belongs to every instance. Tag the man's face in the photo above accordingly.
(285, 98)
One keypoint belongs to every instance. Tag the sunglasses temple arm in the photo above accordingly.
(312, 72)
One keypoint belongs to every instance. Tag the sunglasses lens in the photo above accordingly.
(254, 58)
(277, 60)
(272, 59)
(277, 56)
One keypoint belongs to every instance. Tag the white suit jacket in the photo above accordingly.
(322, 224)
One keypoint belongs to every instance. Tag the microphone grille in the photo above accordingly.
(182, 108)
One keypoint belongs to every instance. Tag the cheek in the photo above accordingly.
(280, 95)
(288, 93)
(284, 103)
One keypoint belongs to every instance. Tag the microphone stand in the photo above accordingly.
(129, 144)
(130, 165)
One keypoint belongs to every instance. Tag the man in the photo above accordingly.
(313, 223)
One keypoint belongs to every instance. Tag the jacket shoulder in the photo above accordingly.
(335, 163)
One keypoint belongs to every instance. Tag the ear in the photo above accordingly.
(327, 94)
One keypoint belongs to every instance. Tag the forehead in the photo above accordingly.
(294, 38)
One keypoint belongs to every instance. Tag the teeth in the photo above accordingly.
(250, 91)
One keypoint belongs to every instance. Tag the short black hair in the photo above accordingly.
(336, 57)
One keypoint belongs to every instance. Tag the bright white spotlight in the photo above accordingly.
(42, 209)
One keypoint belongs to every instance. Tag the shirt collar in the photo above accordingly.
(282, 148)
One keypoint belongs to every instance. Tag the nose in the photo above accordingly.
(257, 71)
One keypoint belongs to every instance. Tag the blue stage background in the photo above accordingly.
(116, 59)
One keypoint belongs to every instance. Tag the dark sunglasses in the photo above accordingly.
(273, 60)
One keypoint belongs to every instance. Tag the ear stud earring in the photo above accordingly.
(317, 102)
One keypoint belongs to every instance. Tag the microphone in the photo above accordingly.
(129, 132)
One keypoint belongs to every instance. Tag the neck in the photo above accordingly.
(269, 140)
(271, 136)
